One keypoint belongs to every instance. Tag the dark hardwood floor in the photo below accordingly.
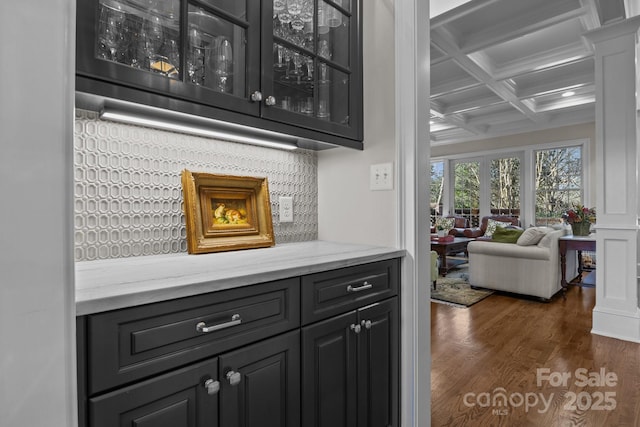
(499, 348)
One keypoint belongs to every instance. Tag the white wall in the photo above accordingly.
(37, 363)
(347, 209)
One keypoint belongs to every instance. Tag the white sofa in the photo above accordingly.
(528, 270)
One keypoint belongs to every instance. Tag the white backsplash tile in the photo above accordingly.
(128, 195)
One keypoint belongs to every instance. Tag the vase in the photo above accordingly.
(441, 233)
(581, 228)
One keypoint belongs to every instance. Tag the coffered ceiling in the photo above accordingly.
(501, 67)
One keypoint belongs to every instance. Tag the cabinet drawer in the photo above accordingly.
(134, 343)
(333, 292)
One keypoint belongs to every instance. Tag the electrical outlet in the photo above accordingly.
(286, 209)
(381, 177)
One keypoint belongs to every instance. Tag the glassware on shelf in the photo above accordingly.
(309, 65)
(280, 62)
(323, 27)
(196, 57)
(333, 15)
(111, 34)
(224, 64)
(323, 109)
(171, 52)
(324, 50)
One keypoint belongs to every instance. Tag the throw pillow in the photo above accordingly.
(506, 235)
(445, 223)
(532, 236)
(491, 226)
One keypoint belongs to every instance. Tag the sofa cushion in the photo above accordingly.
(506, 234)
(491, 226)
(508, 250)
(552, 235)
(532, 236)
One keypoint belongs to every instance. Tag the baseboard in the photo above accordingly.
(622, 326)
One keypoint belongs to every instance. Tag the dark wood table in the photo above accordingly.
(576, 243)
(443, 249)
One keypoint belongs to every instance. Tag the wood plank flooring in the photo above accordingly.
(495, 348)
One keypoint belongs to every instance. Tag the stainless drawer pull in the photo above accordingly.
(366, 285)
(212, 386)
(202, 327)
(366, 324)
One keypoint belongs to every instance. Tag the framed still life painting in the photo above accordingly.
(226, 212)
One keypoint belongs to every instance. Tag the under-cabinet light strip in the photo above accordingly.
(159, 124)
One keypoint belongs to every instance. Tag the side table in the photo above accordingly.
(574, 243)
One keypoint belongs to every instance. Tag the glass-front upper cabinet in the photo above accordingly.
(314, 75)
(286, 65)
(206, 51)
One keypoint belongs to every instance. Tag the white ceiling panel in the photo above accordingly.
(502, 66)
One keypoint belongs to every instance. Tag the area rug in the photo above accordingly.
(457, 292)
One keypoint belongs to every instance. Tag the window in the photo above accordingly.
(558, 183)
(437, 189)
(504, 175)
(466, 190)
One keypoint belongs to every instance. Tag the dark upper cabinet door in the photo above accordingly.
(378, 365)
(203, 51)
(329, 372)
(183, 398)
(311, 64)
(261, 384)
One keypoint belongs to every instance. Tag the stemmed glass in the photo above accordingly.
(111, 35)
(154, 38)
(196, 58)
(309, 76)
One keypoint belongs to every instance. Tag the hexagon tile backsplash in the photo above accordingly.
(128, 195)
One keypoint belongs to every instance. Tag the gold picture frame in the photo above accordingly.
(226, 212)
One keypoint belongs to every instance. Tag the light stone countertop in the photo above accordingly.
(126, 282)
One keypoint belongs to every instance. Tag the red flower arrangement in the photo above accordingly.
(580, 214)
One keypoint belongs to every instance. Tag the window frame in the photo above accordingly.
(526, 153)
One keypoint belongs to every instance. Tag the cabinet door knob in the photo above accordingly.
(234, 377)
(270, 101)
(366, 324)
(256, 96)
(355, 328)
(212, 386)
(204, 328)
(363, 287)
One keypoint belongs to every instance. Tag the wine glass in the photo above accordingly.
(196, 57)
(110, 30)
(309, 76)
(154, 34)
(280, 63)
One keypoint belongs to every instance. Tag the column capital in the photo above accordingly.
(615, 30)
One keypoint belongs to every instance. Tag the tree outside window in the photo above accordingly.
(437, 188)
(558, 183)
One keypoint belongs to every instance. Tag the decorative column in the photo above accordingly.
(616, 313)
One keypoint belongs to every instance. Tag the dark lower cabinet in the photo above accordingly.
(258, 385)
(177, 399)
(261, 384)
(350, 369)
(244, 358)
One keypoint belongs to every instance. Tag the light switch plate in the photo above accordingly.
(286, 208)
(381, 177)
